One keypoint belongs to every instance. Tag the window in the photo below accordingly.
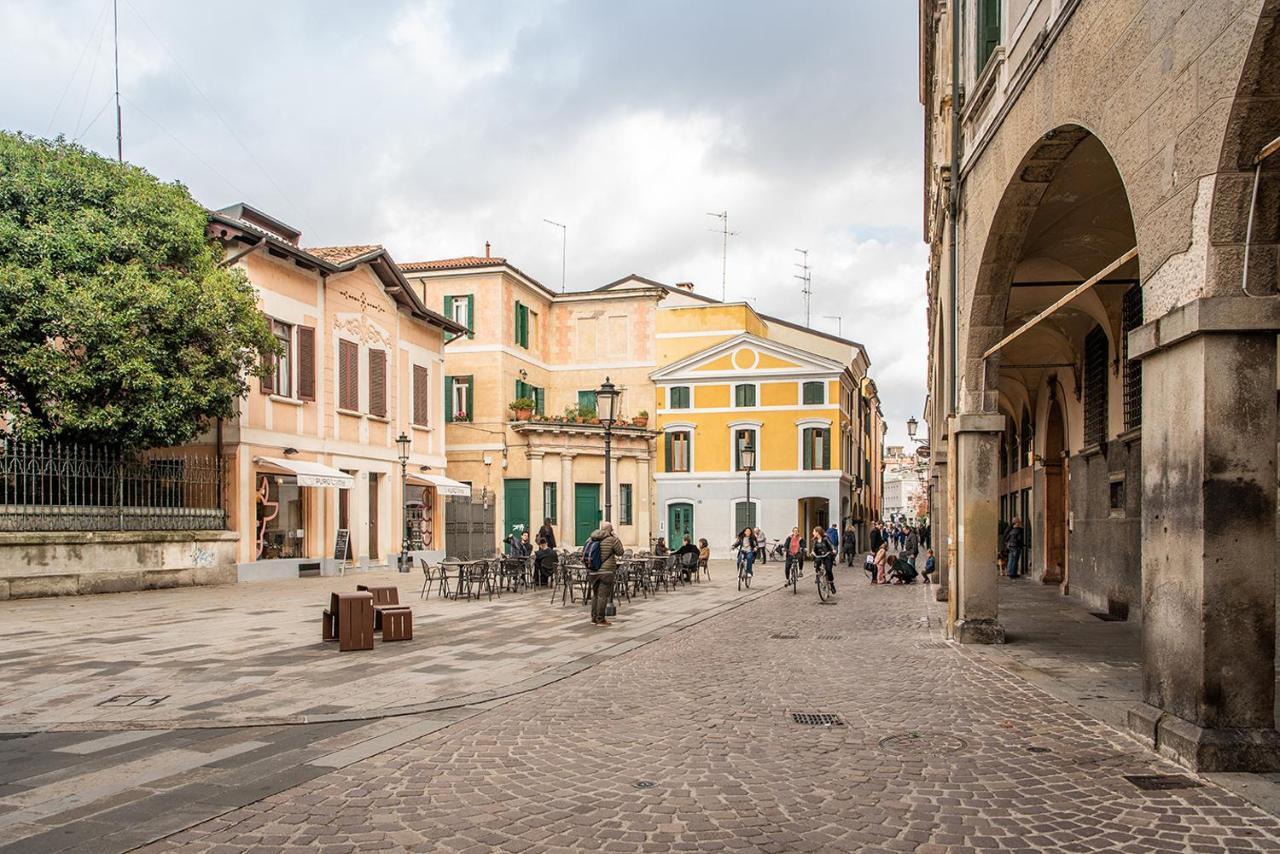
(744, 395)
(1028, 440)
(550, 505)
(522, 325)
(744, 516)
(461, 310)
(457, 398)
(587, 401)
(1095, 387)
(1131, 319)
(378, 383)
(677, 450)
(1117, 494)
(280, 518)
(815, 393)
(988, 31)
(624, 504)
(815, 445)
(421, 396)
(679, 397)
(348, 376)
(279, 381)
(741, 439)
(537, 395)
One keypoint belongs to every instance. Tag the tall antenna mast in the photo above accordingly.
(115, 27)
(806, 283)
(725, 234)
(564, 248)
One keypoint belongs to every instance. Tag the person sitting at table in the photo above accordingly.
(545, 562)
(660, 548)
(704, 554)
(526, 547)
(687, 558)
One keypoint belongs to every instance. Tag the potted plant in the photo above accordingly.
(587, 414)
(641, 419)
(571, 414)
(522, 407)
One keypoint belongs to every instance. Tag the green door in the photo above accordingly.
(679, 523)
(586, 511)
(515, 493)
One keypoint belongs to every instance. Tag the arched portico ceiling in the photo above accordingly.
(1062, 219)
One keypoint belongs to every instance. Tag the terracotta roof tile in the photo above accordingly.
(340, 254)
(452, 264)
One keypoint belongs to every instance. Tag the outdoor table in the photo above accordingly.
(355, 621)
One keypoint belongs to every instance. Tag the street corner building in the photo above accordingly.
(314, 468)
(1102, 200)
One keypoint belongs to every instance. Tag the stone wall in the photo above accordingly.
(72, 563)
(1104, 554)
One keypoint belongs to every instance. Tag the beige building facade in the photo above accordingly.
(1101, 203)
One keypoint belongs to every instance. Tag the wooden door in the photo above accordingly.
(374, 481)
(586, 511)
(679, 523)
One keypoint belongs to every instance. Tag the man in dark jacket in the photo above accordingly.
(877, 537)
(602, 579)
(1013, 544)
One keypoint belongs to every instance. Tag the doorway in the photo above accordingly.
(586, 511)
(515, 502)
(679, 522)
(1055, 497)
(374, 480)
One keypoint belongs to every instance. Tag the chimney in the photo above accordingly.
(486, 249)
(685, 286)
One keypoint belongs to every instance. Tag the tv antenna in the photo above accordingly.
(725, 234)
(806, 282)
(564, 248)
(115, 27)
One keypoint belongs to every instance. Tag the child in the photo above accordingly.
(704, 555)
(930, 566)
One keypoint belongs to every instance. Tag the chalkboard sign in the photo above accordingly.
(342, 547)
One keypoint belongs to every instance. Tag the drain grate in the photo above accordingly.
(817, 719)
(1162, 782)
(135, 700)
(784, 636)
(923, 743)
(644, 784)
(830, 637)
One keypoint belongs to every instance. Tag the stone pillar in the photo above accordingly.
(566, 499)
(643, 499)
(977, 457)
(537, 512)
(1209, 534)
(939, 532)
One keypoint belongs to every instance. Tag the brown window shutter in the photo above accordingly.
(348, 375)
(378, 383)
(269, 380)
(306, 363)
(421, 395)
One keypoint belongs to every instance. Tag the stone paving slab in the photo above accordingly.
(690, 743)
(251, 654)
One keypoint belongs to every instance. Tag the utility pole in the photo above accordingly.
(725, 234)
(806, 283)
(839, 323)
(115, 27)
(564, 248)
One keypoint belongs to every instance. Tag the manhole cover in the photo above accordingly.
(784, 636)
(923, 743)
(1161, 782)
(644, 784)
(817, 719)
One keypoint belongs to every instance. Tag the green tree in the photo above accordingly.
(117, 323)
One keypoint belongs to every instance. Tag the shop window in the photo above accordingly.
(458, 397)
(624, 504)
(1131, 319)
(280, 518)
(1095, 387)
(815, 393)
(744, 395)
(815, 445)
(677, 451)
(679, 397)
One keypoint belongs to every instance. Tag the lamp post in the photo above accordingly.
(402, 443)
(747, 458)
(606, 411)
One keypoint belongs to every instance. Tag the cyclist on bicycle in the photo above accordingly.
(793, 554)
(746, 544)
(824, 555)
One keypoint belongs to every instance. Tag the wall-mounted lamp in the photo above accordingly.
(289, 452)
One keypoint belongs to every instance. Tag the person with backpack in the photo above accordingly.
(600, 556)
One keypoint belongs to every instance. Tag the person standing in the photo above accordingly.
(546, 534)
(1013, 544)
(607, 550)
(877, 538)
(762, 550)
(911, 542)
(833, 537)
(849, 543)
(793, 549)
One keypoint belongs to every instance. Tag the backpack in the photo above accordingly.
(592, 558)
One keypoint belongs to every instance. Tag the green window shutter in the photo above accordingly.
(516, 323)
(826, 448)
(680, 397)
(666, 456)
(813, 394)
(806, 443)
(587, 400)
(988, 30)
(471, 317)
(538, 401)
(448, 398)
(471, 387)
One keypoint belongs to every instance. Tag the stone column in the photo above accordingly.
(536, 510)
(643, 499)
(1209, 534)
(977, 457)
(939, 533)
(566, 499)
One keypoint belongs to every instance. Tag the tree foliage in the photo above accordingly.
(117, 324)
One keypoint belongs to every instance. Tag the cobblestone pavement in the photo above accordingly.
(689, 743)
(251, 653)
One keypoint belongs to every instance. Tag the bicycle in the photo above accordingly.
(793, 575)
(825, 591)
(744, 577)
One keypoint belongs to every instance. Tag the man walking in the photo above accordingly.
(601, 557)
(1013, 545)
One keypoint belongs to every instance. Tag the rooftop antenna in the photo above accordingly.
(806, 283)
(839, 323)
(115, 27)
(725, 234)
(564, 247)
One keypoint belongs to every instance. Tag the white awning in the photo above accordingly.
(443, 485)
(309, 473)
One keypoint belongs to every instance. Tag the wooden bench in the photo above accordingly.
(349, 621)
(397, 624)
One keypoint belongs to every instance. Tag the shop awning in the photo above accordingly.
(443, 485)
(308, 473)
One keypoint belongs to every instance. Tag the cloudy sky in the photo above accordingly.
(432, 126)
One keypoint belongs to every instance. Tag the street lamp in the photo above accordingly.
(607, 412)
(747, 457)
(912, 426)
(402, 442)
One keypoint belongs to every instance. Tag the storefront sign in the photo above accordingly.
(323, 480)
(342, 547)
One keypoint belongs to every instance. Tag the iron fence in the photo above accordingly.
(50, 486)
